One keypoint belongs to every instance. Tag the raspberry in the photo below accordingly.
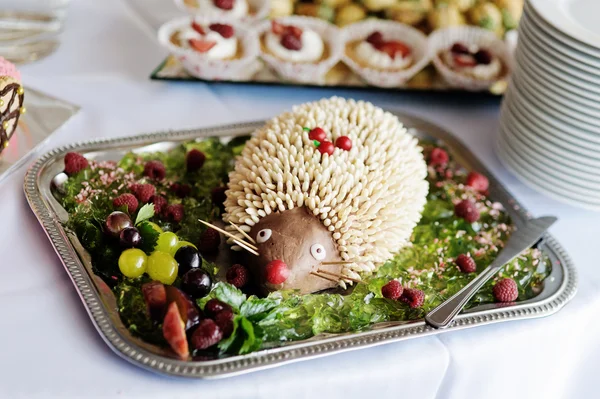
(466, 209)
(155, 170)
(392, 290)
(317, 134)
(194, 160)
(326, 147)
(224, 319)
(75, 163)
(218, 196)
(224, 4)
(213, 307)
(466, 264)
(375, 38)
(438, 156)
(277, 272)
(344, 143)
(224, 30)
(413, 297)
(159, 203)
(291, 42)
(209, 242)
(506, 290)
(126, 199)
(478, 181)
(174, 213)
(206, 335)
(143, 192)
(237, 275)
(181, 190)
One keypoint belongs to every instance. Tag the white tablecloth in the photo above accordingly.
(49, 347)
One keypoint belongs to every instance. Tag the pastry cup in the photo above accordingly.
(443, 39)
(390, 29)
(242, 67)
(260, 10)
(305, 72)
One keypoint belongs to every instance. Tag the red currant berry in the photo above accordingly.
(344, 143)
(317, 134)
(326, 147)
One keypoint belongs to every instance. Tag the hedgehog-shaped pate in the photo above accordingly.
(316, 214)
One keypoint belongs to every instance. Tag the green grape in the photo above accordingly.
(183, 244)
(133, 262)
(162, 267)
(155, 227)
(167, 242)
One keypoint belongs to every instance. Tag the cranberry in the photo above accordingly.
(375, 38)
(483, 57)
(224, 4)
(460, 48)
(317, 134)
(224, 30)
(291, 42)
(326, 147)
(344, 143)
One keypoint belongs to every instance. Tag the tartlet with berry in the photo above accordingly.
(244, 10)
(300, 49)
(385, 53)
(469, 58)
(212, 48)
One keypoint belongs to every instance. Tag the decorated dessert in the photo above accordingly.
(375, 51)
(473, 61)
(11, 101)
(214, 41)
(385, 53)
(294, 44)
(347, 168)
(299, 48)
(212, 47)
(469, 58)
(334, 192)
(246, 10)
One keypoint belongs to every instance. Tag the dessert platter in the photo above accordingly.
(400, 52)
(331, 227)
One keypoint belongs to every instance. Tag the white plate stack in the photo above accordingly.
(550, 120)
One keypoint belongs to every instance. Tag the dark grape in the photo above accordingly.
(188, 258)
(196, 283)
(130, 237)
(117, 222)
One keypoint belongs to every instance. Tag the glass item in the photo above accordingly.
(29, 28)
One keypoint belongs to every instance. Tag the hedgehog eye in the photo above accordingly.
(263, 235)
(318, 251)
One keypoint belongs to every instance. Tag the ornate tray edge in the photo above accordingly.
(287, 354)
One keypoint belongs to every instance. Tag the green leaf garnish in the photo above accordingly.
(316, 143)
(145, 213)
(306, 129)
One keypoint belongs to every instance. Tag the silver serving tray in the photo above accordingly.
(100, 303)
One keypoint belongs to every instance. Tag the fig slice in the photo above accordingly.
(155, 297)
(174, 331)
(187, 309)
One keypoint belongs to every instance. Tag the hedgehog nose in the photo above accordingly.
(277, 272)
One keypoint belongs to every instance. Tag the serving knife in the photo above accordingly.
(520, 240)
